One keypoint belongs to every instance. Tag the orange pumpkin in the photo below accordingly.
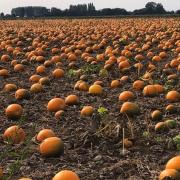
(59, 114)
(40, 59)
(58, 73)
(4, 72)
(22, 94)
(171, 108)
(36, 88)
(169, 173)
(95, 89)
(45, 133)
(14, 134)
(115, 83)
(83, 86)
(173, 96)
(98, 83)
(174, 163)
(87, 111)
(14, 111)
(156, 115)
(150, 90)
(40, 69)
(35, 78)
(124, 79)
(5, 57)
(126, 96)
(66, 175)
(48, 63)
(129, 108)
(160, 126)
(51, 146)
(56, 104)
(159, 88)
(124, 64)
(44, 81)
(10, 87)
(71, 100)
(138, 85)
(19, 68)
(156, 58)
(72, 57)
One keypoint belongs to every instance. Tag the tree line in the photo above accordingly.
(151, 8)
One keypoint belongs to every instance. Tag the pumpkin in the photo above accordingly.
(45, 133)
(138, 85)
(5, 57)
(115, 83)
(83, 86)
(171, 108)
(40, 59)
(22, 94)
(124, 79)
(14, 62)
(170, 123)
(129, 108)
(127, 143)
(36, 88)
(124, 64)
(4, 72)
(14, 111)
(55, 50)
(169, 173)
(174, 163)
(139, 57)
(174, 63)
(44, 81)
(98, 83)
(138, 66)
(76, 86)
(95, 89)
(87, 111)
(159, 88)
(150, 90)
(66, 175)
(163, 54)
(72, 57)
(160, 126)
(58, 73)
(56, 59)
(19, 68)
(14, 134)
(59, 114)
(71, 100)
(156, 115)
(126, 96)
(10, 87)
(56, 104)
(173, 96)
(48, 63)
(35, 78)
(156, 58)
(51, 146)
(40, 69)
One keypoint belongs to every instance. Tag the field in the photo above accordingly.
(117, 90)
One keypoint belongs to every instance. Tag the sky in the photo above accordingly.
(7, 5)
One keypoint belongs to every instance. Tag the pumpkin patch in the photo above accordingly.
(97, 96)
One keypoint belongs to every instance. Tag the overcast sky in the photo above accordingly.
(7, 5)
